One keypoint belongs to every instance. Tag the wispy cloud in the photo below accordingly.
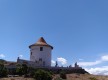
(89, 63)
(103, 70)
(98, 70)
(104, 58)
(80, 59)
(2, 56)
(53, 62)
(20, 56)
(63, 61)
(101, 60)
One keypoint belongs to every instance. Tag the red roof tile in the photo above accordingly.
(41, 42)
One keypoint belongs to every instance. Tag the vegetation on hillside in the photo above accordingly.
(36, 73)
(3, 70)
(2, 61)
(42, 75)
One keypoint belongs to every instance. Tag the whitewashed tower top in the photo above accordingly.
(40, 53)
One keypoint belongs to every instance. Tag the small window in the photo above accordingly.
(31, 53)
(41, 48)
(36, 61)
(43, 63)
(40, 59)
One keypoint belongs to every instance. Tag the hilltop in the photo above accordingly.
(86, 77)
(69, 77)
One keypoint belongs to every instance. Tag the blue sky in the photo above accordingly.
(77, 29)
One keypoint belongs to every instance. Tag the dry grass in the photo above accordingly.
(16, 78)
(69, 77)
(85, 77)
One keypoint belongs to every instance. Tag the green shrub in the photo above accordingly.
(92, 78)
(19, 70)
(22, 69)
(42, 75)
(63, 75)
(3, 71)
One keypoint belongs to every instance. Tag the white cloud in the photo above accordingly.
(98, 70)
(2, 56)
(80, 59)
(62, 60)
(53, 62)
(20, 56)
(104, 58)
(89, 63)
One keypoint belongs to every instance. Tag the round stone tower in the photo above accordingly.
(40, 53)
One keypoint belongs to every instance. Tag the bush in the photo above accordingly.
(22, 69)
(92, 78)
(3, 71)
(19, 70)
(42, 75)
(63, 75)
